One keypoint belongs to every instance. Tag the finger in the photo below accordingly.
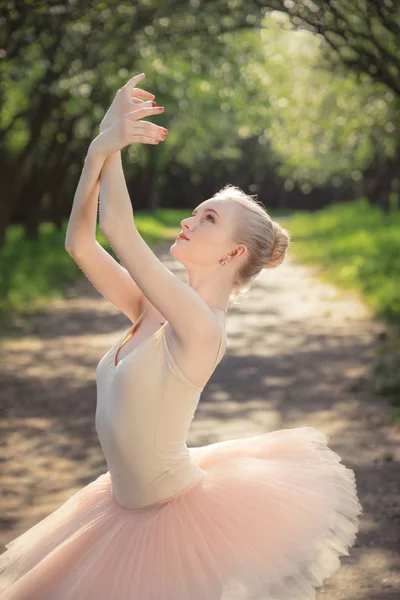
(147, 133)
(135, 79)
(143, 102)
(140, 104)
(145, 111)
(149, 126)
(145, 140)
(142, 93)
(158, 135)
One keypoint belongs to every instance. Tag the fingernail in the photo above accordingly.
(154, 103)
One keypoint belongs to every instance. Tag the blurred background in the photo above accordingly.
(298, 102)
(295, 101)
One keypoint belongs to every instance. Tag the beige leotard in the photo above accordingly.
(145, 406)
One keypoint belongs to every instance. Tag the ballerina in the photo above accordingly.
(266, 516)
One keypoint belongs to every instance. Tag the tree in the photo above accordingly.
(61, 62)
(363, 35)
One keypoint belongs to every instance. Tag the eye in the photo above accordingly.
(207, 215)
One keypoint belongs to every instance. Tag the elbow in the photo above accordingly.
(67, 246)
(70, 247)
(103, 226)
(114, 228)
(107, 227)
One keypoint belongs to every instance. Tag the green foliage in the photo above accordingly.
(362, 35)
(228, 75)
(34, 272)
(385, 374)
(357, 247)
(324, 127)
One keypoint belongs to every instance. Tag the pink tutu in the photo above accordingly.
(268, 520)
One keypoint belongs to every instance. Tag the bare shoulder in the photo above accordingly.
(197, 355)
(203, 342)
(207, 340)
(211, 332)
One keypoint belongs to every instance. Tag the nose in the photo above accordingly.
(184, 223)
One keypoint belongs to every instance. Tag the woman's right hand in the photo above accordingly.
(123, 102)
(129, 129)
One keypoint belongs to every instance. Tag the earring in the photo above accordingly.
(224, 261)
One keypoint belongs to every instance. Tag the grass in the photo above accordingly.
(355, 246)
(32, 272)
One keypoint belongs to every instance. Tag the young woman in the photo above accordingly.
(260, 517)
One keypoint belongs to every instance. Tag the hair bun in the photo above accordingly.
(281, 243)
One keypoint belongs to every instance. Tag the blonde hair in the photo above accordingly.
(265, 240)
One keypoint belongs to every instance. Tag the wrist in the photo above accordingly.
(95, 151)
(114, 159)
(106, 123)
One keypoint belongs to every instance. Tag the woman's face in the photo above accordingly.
(209, 230)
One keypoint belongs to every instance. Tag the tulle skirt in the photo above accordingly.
(268, 521)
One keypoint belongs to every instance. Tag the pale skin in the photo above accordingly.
(144, 282)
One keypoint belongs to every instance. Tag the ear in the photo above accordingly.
(238, 252)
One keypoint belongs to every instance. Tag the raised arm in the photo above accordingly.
(83, 218)
(110, 278)
(180, 304)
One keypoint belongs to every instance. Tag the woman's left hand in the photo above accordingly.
(129, 130)
(124, 101)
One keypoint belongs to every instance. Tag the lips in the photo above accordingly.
(182, 237)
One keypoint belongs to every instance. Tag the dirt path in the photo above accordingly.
(295, 349)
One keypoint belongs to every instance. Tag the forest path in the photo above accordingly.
(296, 346)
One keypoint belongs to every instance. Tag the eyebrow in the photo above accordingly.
(207, 209)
